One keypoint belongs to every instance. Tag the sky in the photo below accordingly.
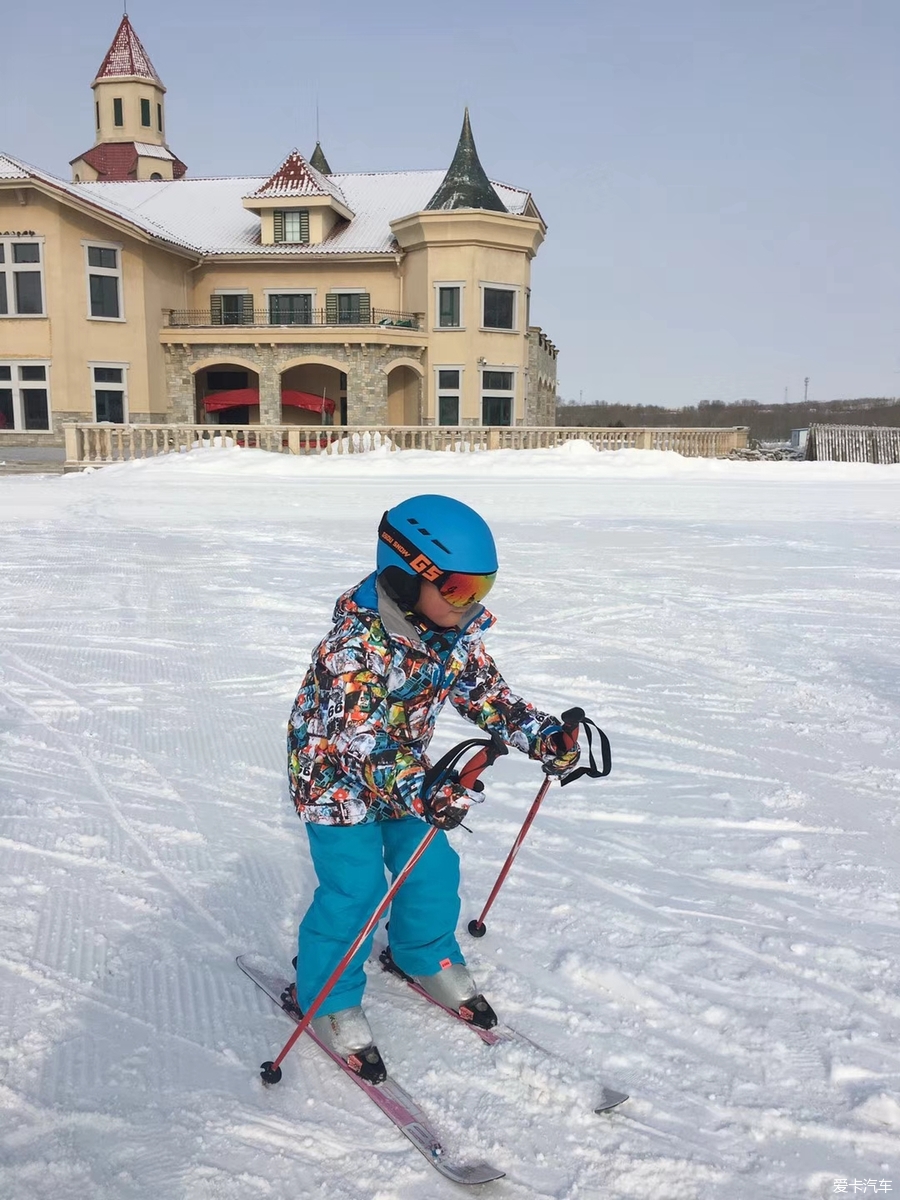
(719, 178)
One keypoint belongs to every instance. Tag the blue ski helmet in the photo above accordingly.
(443, 531)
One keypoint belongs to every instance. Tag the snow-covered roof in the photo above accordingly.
(11, 169)
(126, 56)
(208, 216)
(149, 150)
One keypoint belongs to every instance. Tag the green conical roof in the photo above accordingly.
(319, 161)
(466, 185)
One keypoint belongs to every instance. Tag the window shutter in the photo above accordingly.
(365, 308)
(246, 310)
(215, 310)
(331, 310)
(304, 224)
(278, 223)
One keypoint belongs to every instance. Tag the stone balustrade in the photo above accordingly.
(89, 445)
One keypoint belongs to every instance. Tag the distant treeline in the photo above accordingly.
(767, 422)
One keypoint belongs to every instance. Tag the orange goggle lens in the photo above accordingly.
(462, 590)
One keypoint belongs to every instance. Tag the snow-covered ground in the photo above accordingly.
(714, 928)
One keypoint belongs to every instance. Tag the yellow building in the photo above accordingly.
(135, 294)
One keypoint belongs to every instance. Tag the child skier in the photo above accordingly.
(404, 641)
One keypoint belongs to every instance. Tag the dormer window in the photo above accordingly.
(291, 225)
(298, 205)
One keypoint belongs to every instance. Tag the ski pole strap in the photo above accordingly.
(575, 717)
(487, 752)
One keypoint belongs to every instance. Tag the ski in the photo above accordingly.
(393, 1101)
(609, 1099)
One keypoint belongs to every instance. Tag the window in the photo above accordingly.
(499, 308)
(347, 308)
(118, 118)
(448, 395)
(497, 395)
(291, 225)
(97, 113)
(449, 307)
(159, 118)
(448, 410)
(104, 283)
(231, 308)
(21, 278)
(291, 308)
(7, 412)
(24, 397)
(108, 385)
(155, 177)
(145, 113)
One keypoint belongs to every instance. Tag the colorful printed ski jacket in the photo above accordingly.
(367, 707)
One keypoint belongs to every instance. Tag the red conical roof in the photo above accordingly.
(126, 56)
(295, 177)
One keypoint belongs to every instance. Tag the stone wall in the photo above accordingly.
(540, 387)
(366, 368)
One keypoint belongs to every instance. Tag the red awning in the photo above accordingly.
(249, 396)
(306, 400)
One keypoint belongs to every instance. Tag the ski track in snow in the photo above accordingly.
(715, 928)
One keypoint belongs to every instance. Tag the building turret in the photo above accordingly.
(129, 117)
(319, 161)
(466, 185)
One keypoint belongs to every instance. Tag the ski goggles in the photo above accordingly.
(459, 588)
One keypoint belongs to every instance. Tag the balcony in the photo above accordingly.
(266, 318)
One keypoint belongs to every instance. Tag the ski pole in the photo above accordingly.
(571, 720)
(270, 1072)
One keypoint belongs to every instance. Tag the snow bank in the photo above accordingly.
(575, 459)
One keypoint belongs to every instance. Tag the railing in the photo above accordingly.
(95, 445)
(199, 318)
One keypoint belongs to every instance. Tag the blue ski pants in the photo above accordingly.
(350, 863)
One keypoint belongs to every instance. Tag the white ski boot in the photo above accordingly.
(347, 1034)
(454, 988)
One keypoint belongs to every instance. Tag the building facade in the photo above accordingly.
(133, 293)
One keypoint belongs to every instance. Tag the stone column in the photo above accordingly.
(367, 391)
(180, 386)
(269, 390)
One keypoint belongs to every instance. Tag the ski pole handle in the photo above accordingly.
(445, 768)
(571, 719)
(480, 761)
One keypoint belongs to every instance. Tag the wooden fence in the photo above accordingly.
(853, 443)
(96, 445)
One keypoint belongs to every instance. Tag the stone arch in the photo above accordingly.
(211, 375)
(317, 376)
(217, 360)
(303, 360)
(404, 362)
